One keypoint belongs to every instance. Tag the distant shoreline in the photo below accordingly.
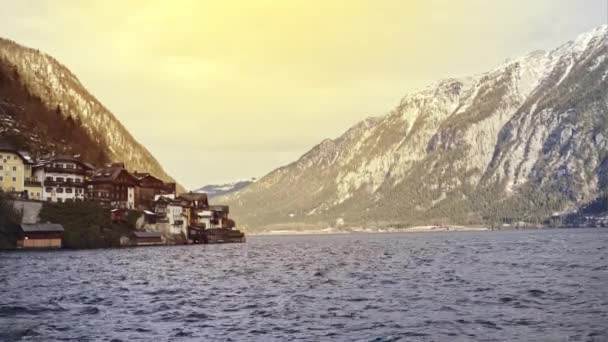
(416, 229)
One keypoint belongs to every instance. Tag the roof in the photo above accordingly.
(204, 213)
(62, 158)
(89, 166)
(191, 196)
(109, 174)
(24, 155)
(140, 175)
(222, 208)
(27, 158)
(41, 227)
(146, 234)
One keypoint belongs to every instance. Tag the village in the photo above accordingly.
(163, 216)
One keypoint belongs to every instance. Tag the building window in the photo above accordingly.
(14, 168)
(68, 190)
(48, 189)
(77, 180)
(14, 179)
(50, 179)
(60, 200)
(1, 167)
(37, 194)
(59, 190)
(69, 180)
(15, 157)
(1, 179)
(59, 179)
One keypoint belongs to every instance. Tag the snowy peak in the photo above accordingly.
(213, 190)
(460, 150)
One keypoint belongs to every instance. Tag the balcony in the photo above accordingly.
(32, 182)
(48, 168)
(64, 183)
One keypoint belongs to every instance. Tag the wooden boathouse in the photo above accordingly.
(40, 235)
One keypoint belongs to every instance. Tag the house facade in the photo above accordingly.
(15, 169)
(148, 188)
(40, 235)
(63, 179)
(113, 186)
(170, 211)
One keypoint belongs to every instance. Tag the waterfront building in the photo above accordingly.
(113, 186)
(40, 235)
(16, 172)
(62, 179)
(171, 212)
(146, 239)
(148, 188)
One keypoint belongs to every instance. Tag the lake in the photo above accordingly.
(545, 285)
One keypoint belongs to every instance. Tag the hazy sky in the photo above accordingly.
(224, 90)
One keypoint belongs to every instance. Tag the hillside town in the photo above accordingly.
(164, 216)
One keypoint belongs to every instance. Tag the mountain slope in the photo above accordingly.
(213, 190)
(518, 142)
(36, 81)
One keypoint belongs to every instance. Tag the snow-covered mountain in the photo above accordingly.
(215, 190)
(519, 142)
(46, 108)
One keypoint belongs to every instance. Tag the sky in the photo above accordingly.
(232, 89)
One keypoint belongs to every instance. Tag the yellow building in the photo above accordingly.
(16, 173)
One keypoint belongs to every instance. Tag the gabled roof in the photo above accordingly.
(192, 196)
(109, 174)
(62, 158)
(140, 175)
(147, 177)
(24, 155)
(27, 158)
(41, 227)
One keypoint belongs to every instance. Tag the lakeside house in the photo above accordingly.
(149, 187)
(191, 215)
(40, 235)
(170, 211)
(113, 186)
(16, 173)
(62, 179)
(146, 239)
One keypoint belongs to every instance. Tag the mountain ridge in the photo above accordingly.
(45, 79)
(462, 142)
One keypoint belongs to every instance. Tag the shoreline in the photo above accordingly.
(415, 229)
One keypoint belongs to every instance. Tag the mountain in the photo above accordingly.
(519, 142)
(45, 108)
(214, 190)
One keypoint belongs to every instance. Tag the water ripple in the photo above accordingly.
(515, 286)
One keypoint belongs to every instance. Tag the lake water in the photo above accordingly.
(549, 285)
